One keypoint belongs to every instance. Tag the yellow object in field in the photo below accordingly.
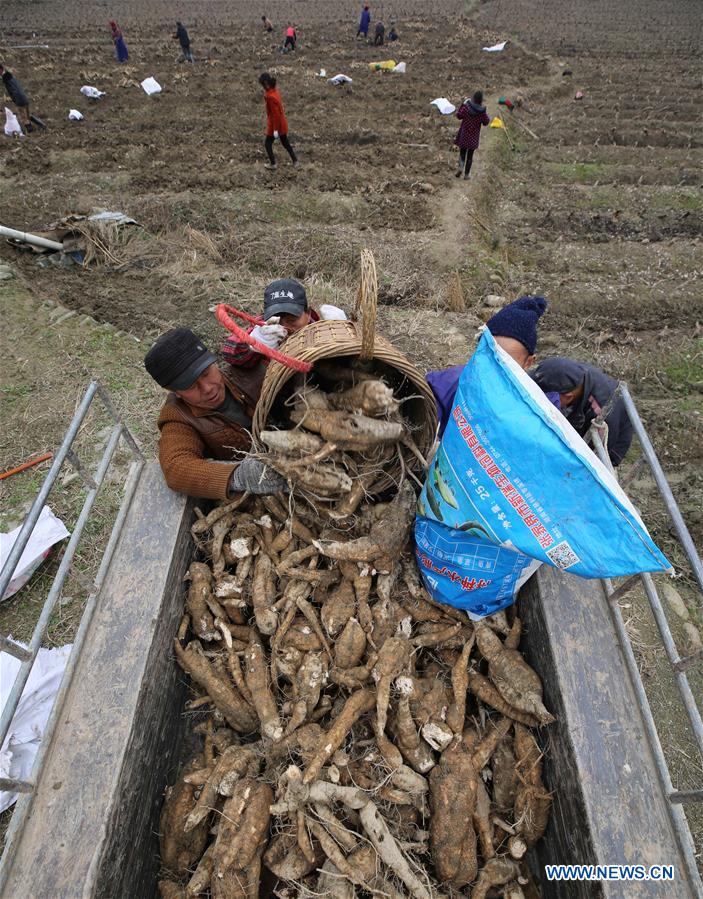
(384, 66)
(497, 122)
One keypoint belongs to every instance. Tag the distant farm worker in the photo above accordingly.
(393, 34)
(268, 24)
(378, 34)
(16, 93)
(183, 38)
(205, 423)
(514, 328)
(291, 39)
(286, 311)
(276, 122)
(121, 51)
(584, 392)
(364, 21)
(473, 115)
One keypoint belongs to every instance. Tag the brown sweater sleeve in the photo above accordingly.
(184, 464)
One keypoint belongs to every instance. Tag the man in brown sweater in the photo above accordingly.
(205, 423)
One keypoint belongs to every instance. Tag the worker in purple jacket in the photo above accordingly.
(473, 115)
(514, 328)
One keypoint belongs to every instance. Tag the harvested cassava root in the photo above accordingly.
(358, 738)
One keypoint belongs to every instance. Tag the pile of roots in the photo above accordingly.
(359, 739)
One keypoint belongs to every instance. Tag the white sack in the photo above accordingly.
(329, 313)
(443, 105)
(29, 721)
(151, 86)
(48, 530)
(340, 79)
(496, 48)
(74, 115)
(400, 68)
(12, 126)
(92, 92)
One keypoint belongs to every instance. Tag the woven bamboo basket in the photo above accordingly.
(356, 345)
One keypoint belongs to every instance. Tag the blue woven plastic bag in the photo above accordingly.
(512, 485)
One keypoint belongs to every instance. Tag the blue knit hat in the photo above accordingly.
(519, 321)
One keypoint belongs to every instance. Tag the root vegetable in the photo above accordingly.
(438, 636)
(517, 847)
(263, 592)
(332, 883)
(393, 658)
(350, 645)
(284, 858)
(200, 880)
(373, 398)
(389, 851)
(338, 608)
(504, 775)
(516, 682)
(453, 784)
(437, 734)
(291, 443)
(324, 479)
(362, 590)
(495, 873)
(513, 890)
(180, 850)
(310, 615)
(532, 801)
(241, 840)
(235, 709)
(309, 680)
(456, 713)
(301, 636)
(199, 592)
(357, 705)
(170, 890)
(481, 687)
(482, 820)
(349, 431)
(257, 676)
(512, 639)
(415, 750)
(488, 743)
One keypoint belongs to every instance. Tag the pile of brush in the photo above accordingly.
(359, 739)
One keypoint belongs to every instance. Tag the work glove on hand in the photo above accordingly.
(270, 335)
(254, 476)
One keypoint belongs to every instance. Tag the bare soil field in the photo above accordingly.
(594, 203)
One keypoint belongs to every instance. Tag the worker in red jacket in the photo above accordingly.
(473, 115)
(276, 124)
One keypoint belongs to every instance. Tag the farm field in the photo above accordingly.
(595, 203)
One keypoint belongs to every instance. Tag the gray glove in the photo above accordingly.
(254, 476)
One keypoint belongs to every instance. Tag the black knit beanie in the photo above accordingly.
(177, 359)
(519, 321)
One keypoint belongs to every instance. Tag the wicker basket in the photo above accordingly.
(351, 343)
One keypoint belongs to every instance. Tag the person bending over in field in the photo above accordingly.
(291, 39)
(183, 38)
(584, 392)
(16, 93)
(514, 328)
(268, 24)
(276, 122)
(379, 32)
(473, 115)
(121, 51)
(205, 423)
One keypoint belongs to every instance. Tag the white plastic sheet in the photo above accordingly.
(74, 115)
(496, 48)
(340, 79)
(92, 92)
(443, 105)
(400, 68)
(322, 73)
(29, 721)
(48, 530)
(12, 126)
(151, 86)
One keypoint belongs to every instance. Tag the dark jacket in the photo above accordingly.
(182, 35)
(472, 118)
(14, 89)
(563, 375)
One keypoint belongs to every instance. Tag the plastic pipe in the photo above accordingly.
(31, 238)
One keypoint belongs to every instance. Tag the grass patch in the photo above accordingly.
(578, 172)
(686, 369)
